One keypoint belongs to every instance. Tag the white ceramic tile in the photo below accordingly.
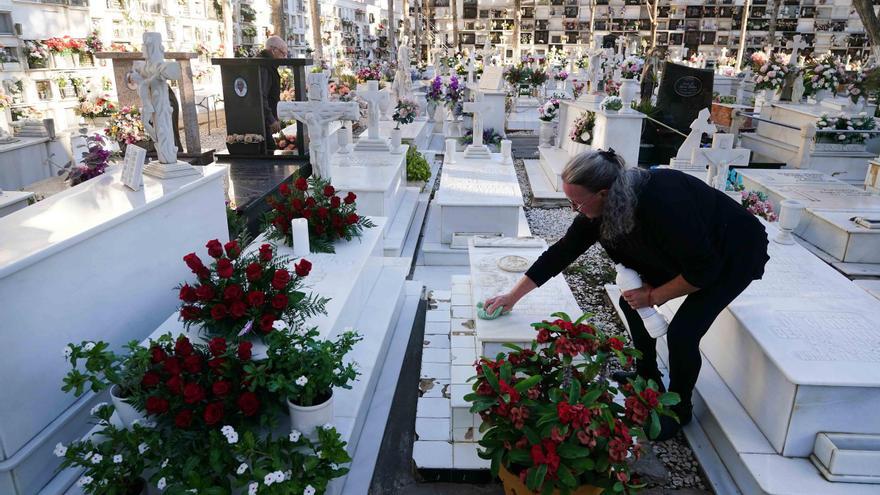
(441, 306)
(437, 316)
(436, 328)
(462, 312)
(464, 456)
(462, 418)
(432, 355)
(457, 393)
(460, 374)
(433, 429)
(436, 388)
(466, 434)
(441, 295)
(463, 356)
(436, 341)
(433, 454)
(462, 325)
(432, 407)
(463, 341)
(461, 299)
(439, 371)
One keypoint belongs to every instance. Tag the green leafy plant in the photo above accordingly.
(549, 415)
(417, 168)
(96, 367)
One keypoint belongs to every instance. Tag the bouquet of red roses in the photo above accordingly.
(239, 293)
(330, 217)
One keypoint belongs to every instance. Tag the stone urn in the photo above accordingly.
(318, 85)
(547, 134)
(629, 91)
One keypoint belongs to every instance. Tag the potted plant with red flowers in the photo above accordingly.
(549, 419)
(239, 295)
(330, 217)
(305, 369)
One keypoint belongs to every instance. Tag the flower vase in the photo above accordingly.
(629, 90)
(306, 419)
(344, 139)
(547, 134)
(396, 137)
(127, 413)
(822, 94)
(432, 110)
(513, 485)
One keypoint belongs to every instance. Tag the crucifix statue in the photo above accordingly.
(374, 98)
(152, 76)
(316, 114)
(699, 126)
(477, 149)
(795, 47)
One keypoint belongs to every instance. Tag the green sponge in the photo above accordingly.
(482, 314)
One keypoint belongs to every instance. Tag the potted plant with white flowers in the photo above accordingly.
(306, 369)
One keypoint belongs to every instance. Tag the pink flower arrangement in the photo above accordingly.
(631, 67)
(365, 74)
(756, 203)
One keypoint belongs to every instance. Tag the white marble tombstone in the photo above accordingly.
(375, 98)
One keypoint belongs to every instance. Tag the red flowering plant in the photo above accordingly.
(330, 217)
(549, 414)
(246, 293)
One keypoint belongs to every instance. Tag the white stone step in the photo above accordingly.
(398, 229)
(542, 189)
(435, 253)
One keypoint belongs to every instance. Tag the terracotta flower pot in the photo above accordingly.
(514, 486)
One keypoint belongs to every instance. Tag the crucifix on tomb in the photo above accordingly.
(795, 47)
(621, 46)
(152, 76)
(374, 98)
(470, 70)
(317, 114)
(701, 125)
(477, 149)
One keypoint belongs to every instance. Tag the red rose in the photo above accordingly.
(183, 419)
(244, 350)
(193, 262)
(248, 403)
(188, 294)
(297, 204)
(175, 385)
(183, 347)
(280, 279)
(336, 220)
(156, 405)
(232, 249)
(253, 271)
(256, 298)
(323, 212)
(219, 311)
(192, 363)
(224, 268)
(189, 313)
(543, 336)
(150, 380)
(266, 252)
(284, 189)
(329, 190)
(238, 309)
(279, 302)
(158, 355)
(307, 214)
(302, 184)
(213, 413)
(651, 397)
(192, 393)
(221, 388)
(303, 267)
(217, 345)
(233, 292)
(266, 323)
(352, 218)
(350, 197)
(203, 273)
(310, 202)
(319, 229)
(205, 292)
(215, 249)
(335, 201)
(216, 364)
(172, 366)
(615, 344)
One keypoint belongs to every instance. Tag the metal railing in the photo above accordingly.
(661, 124)
(757, 116)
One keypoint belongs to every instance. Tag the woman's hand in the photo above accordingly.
(639, 298)
(506, 301)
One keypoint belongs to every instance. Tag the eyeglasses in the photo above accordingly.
(574, 206)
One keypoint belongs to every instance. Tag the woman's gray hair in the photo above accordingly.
(598, 170)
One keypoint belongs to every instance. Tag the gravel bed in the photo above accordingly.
(587, 277)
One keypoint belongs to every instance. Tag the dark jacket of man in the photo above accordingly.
(270, 84)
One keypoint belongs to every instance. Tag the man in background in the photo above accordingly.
(270, 83)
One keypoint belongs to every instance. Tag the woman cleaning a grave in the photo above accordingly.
(681, 236)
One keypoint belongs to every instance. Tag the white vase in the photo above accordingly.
(822, 94)
(396, 135)
(432, 109)
(344, 139)
(306, 419)
(629, 90)
(547, 134)
(127, 413)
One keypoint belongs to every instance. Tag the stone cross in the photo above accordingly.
(477, 149)
(317, 116)
(699, 127)
(470, 70)
(724, 52)
(621, 46)
(152, 76)
(374, 98)
(795, 48)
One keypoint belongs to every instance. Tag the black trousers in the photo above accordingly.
(686, 329)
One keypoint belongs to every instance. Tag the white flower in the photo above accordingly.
(288, 475)
(297, 347)
(68, 351)
(269, 479)
(252, 488)
(88, 456)
(161, 483)
(85, 480)
(841, 137)
(117, 459)
(143, 447)
(227, 430)
(95, 410)
(301, 381)
(242, 468)
(279, 325)
(319, 453)
(327, 427)
(310, 490)
(60, 450)
(89, 346)
(294, 436)
(232, 439)
(97, 458)
(334, 466)
(164, 463)
(585, 136)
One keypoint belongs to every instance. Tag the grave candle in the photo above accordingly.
(628, 279)
(299, 229)
(507, 151)
(450, 151)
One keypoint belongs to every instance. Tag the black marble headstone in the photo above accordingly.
(684, 91)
